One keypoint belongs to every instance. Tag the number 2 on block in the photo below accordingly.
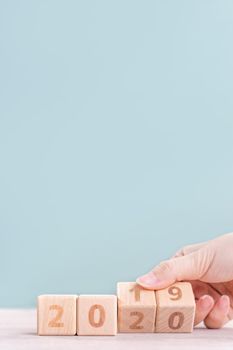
(55, 322)
(136, 323)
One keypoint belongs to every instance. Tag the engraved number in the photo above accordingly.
(175, 292)
(55, 322)
(136, 289)
(176, 320)
(136, 324)
(91, 315)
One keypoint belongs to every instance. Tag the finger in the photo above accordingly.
(187, 267)
(203, 308)
(201, 288)
(189, 249)
(218, 316)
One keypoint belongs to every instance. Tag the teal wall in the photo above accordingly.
(116, 139)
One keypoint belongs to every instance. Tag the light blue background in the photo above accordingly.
(116, 139)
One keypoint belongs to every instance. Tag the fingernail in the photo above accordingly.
(148, 280)
(206, 302)
(225, 302)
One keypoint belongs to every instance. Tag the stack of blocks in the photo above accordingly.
(134, 310)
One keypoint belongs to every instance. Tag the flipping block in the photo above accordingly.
(97, 315)
(136, 308)
(56, 315)
(175, 309)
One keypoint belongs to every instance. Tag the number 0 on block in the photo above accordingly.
(97, 315)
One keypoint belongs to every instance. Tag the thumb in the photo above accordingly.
(187, 267)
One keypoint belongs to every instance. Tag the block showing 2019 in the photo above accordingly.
(133, 310)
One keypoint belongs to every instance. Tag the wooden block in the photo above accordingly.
(175, 308)
(97, 315)
(136, 308)
(56, 315)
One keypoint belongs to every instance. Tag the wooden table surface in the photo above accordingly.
(18, 331)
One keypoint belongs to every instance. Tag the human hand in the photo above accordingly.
(208, 267)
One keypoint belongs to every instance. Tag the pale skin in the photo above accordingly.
(209, 268)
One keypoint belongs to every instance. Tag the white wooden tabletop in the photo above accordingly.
(18, 331)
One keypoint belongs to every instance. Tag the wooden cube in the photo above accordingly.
(136, 308)
(175, 308)
(56, 315)
(97, 315)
